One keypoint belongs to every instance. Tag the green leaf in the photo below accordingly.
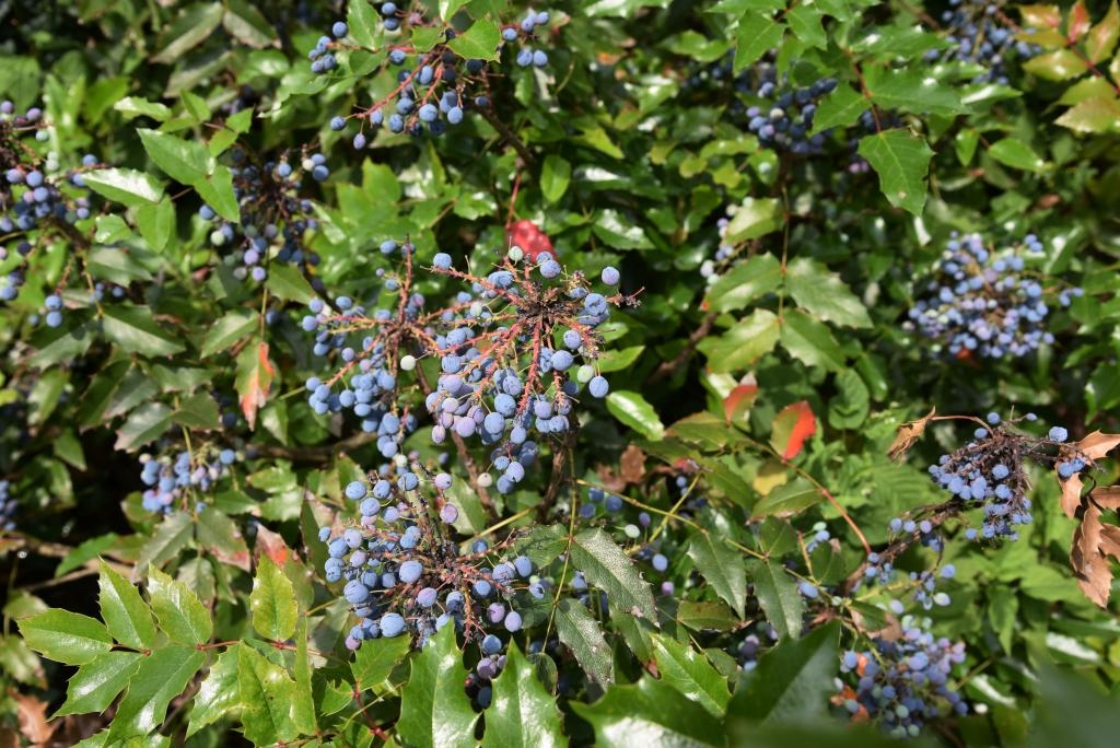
(161, 676)
(605, 565)
(1061, 65)
(637, 413)
(267, 693)
(650, 713)
(523, 714)
(745, 283)
(901, 159)
(169, 538)
(1104, 35)
(134, 330)
(127, 616)
(1099, 114)
(220, 692)
(303, 700)
(287, 282)
(65, 637)
(757, 35)
(435, 710)
(792, 498)
(710, 616)
(841, 108)
(851, 405)
(246, 24)
(365, 24)
(779, 598)
(189, 30)
(480, 41)
(913, 89)
(126, 186)
(810, 341)
(132, 107)
(556, 175)
(806, 23)
(97, 683)
(581, 633)
(180, 613)
(743, 344)
(185, 161)
(273, 602)
(65, 346)
(688, 671)
(145, 424)
(200, 412)
(84, 552)
(1016, 154)
(754, 217)
(376, 659)
(156, 223)
(217, 191)
(792, 682)
(229, 331)
(822, 293)
(722, 567)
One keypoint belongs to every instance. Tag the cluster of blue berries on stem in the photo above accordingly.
(902, 683)
(981, 302)
(173, 479)
(983, 38)
(517, 356)
(274, 217)
(989, 472)
(403, 572)
(435, 86)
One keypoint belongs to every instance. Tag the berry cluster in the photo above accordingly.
(982, 302)
(7, 507)
(784, 118)
(989, 472)
(404, 573)
(981, 39)
(903, 683)
(516, 355)
(435, 87)
(171, 480)
(274, 218)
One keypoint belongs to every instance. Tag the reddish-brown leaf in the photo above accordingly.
(1094, 575)
(1106, 497)
(791, 427)
(633, 464)
(271, 544)
(1078, 21)
(254, 379)
(1097, 444)
(739, 401)
(530, 238)
(1071, 493)
(908, 433)
(32, 714)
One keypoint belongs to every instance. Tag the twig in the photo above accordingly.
(667, 368)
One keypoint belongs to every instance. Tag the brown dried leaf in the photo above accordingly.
(1094, 575)
(1110, 541)
(908, 433)
(633, 464)
(1106, 497)
(1071, 493)
(610, 479)
(1096, 445)
(32, 714)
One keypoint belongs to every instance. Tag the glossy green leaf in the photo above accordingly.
(247, 24)
(901, 159)
(185, 161)
(811, 342)
(745, 283)
(821, 292)
(637, 413)
(143, 426)
(189, 30)
(65, 637)
(135, 331)
(220, 536)
(791, 498)
(180, 613)
(199, 412)
(216, 190)
(652, 713)
(267, 694)
(220, 692)
(376, 659)
(169, 538)
(792, 682)
(841, 108)
(480, 41)
(161, 676)
(722, 567)
(777, 594)
(556, 175)
(273, 602)
(581, 633)
(743, 344)
(287, 282)
(230, 330)
(364, 22)
(605, 565)
(435, 710)
(522, 714)
(97, 683)
(688, 671)
(913, 89)
(1016, 154)
(1060, 65)
(757, 35)
(127, 617)
(156, 223)
(127, 186)
(752, 218)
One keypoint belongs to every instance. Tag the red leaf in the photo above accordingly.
(254, 378)
(739, 400)
(1078, 21)
(791, 428)
(530, 238)
(272, 544)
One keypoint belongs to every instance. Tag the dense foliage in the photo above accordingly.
(458, 372)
